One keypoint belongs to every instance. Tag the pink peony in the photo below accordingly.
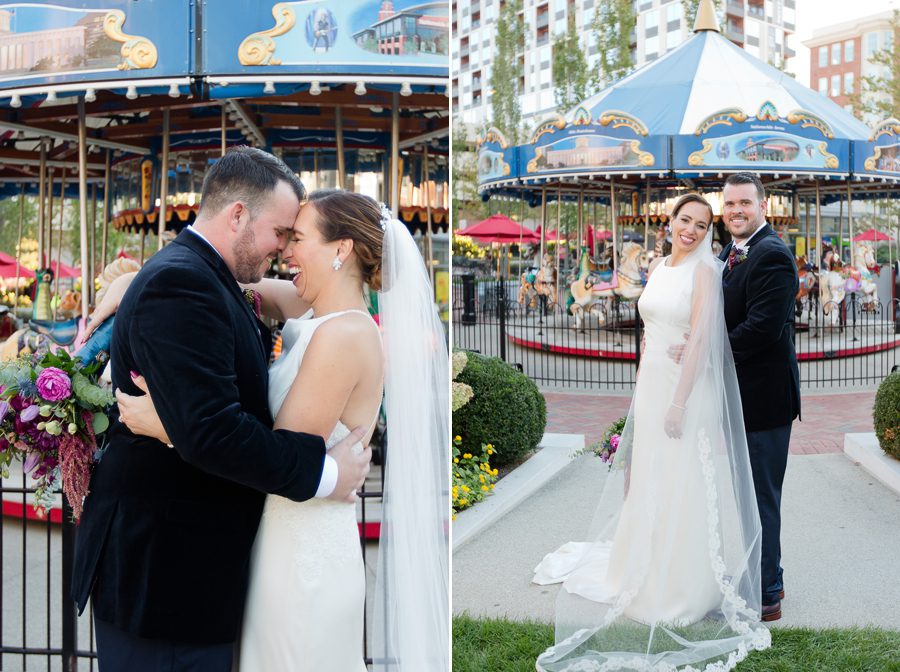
(614, 442)
(53, 384)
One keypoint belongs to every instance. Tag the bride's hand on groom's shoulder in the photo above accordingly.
(352, 467)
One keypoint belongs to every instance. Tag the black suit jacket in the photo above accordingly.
(163, 546)
(759, 314)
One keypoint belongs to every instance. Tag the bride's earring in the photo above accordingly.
(337, 263)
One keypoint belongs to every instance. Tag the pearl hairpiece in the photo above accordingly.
(386, 216)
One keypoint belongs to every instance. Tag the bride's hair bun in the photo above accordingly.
(347, 215)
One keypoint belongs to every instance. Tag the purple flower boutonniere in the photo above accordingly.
(735, 258)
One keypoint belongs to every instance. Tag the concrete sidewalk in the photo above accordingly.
(839, 538)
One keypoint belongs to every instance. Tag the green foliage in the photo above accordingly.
(507, 409)
(466, 202)
(886, 415)
(571, 75)
(473, 478)
(510, 40)
(506, 646)
(612, 25)
(866, 98)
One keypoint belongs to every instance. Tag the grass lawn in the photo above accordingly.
(504, 646)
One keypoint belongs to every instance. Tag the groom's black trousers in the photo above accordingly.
(119, 651)
(768, 460)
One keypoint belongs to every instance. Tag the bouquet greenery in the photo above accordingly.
(51, 413)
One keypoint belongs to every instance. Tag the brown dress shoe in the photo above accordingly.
(781, 594)
(771, 612)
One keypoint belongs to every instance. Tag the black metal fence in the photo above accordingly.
(851, 344)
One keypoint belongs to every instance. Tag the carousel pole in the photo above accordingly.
(429, 242)
(808, 250)
(339, 134)
(48, 238)
(850, 221)
(224, 123)
(580, 221)
(543, 223)
(594, 227)
(42, 197)
(796, 213)
(86, 272)
(615, 227)
(840, 244)
(558, 225)
(818, 229)
(107, 204)
(163, 183)
(143, 240)
(395, 154)
(93, 243)
(62, 208)
(647, 217)
(19, 247)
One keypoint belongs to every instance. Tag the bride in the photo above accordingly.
(672, 579)
(306, 597)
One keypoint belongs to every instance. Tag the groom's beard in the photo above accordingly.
(249, 263)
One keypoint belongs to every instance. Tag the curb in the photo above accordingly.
(557, 451)
(864, 450)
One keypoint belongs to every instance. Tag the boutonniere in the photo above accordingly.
(735, 257)
(254, 298)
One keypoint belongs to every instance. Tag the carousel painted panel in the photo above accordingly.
(732, 140)
(879, 156)
(613, 142)
(45, 43)
(376, 37)
(496, 159)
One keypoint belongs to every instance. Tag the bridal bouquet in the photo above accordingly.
(609, 444)
(51, 414)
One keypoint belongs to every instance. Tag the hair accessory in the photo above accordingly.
(337, 263)
(386, 216)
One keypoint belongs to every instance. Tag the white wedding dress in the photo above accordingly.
(306, 598)
(668, 580)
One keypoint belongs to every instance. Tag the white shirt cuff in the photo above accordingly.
(328, 482)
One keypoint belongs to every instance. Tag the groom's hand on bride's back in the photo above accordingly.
(352, 467)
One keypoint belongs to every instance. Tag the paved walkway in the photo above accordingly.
(839, 524)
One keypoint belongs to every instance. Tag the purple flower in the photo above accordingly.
(4, 409)
(614, 442)
(29, 413)
(53, 384)
(32, 459)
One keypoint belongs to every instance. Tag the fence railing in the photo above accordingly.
(852, 343)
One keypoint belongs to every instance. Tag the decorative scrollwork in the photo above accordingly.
(809, 120)
(886, 127)
(138, 53)
(644, 158)
(872, 162)
(831, 161)
(259, 48)
(697, 158)
(767, 112)
(492, 135)
(532, 166)
(555, 123)
(725, 117)
(618, 118)
(582, 117)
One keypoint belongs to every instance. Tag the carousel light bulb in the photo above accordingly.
(269, 87)
(405, 89)
(51, 96)
(174, 91)
(360, 89)
(315, 89)
(90, 96)
(15, 101)
(131, 93)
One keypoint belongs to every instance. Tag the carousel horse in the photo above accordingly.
(627, 282)
(861, 280)
(809, 284)
(832, 286)
(538, 283)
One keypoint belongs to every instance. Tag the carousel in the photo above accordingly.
(682, 123)
(111, 112)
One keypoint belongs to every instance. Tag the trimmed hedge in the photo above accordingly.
(506, 410)
(886, 415)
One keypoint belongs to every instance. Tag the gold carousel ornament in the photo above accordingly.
(259, 48)
(138, 53)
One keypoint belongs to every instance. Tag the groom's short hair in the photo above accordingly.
(248, 175)
(747, 178)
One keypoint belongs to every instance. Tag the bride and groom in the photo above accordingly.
(685, 558)
(180, 549)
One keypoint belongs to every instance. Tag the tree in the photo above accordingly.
(466, 201)
(878, 95)
(571, 76)
(505, 108)
(611, 26)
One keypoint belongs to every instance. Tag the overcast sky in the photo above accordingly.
(814, 14)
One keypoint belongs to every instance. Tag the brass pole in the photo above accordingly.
(107, 205)
(163, 181)
(339, 134)
(86, 273)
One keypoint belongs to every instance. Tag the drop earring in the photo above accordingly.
(337, 263)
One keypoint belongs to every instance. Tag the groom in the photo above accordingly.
(759, 284)
(163, 546)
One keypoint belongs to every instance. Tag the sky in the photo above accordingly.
(814, 14)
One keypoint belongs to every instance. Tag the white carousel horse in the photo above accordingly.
(627, 283)
(861, 277)
(539, 283)
(832, 286)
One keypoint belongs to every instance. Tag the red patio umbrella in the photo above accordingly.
(64, 271)
(499, 229)
(8, 270)
(551, 236)
(871, 235)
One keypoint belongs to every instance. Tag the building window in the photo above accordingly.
(836, 54)
(848, 82)
(848, 51)
(673, 12)
(823, 86)
(835, 86)
(888, 40)
(823, 57)
(871, 43)
(651, 46)
(651, 19)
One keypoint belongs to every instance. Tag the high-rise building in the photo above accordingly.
(762, 27)
(839, 57)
